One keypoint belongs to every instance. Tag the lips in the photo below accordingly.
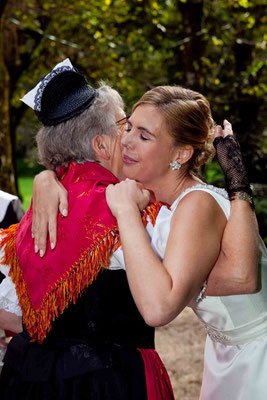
(128, 160)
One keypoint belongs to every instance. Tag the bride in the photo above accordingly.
(167, 125)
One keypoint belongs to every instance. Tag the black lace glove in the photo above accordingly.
(230, 159)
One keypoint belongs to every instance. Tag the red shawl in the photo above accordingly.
(86, 240)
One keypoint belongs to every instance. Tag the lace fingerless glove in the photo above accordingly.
(230, 159)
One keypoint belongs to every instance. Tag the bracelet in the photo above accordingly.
(243, 196)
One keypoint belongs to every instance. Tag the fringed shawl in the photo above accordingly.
(86, 240)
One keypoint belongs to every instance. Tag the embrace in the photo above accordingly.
(138, 238)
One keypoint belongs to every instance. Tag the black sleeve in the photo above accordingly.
(11, 216)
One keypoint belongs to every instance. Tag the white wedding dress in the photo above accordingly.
(235, 363)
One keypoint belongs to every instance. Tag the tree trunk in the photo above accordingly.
(192, 12)
(249, 127)
(7, 177)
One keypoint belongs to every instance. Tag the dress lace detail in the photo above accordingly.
(216, 336)
(8, 297)
(215, 189)
(201, 294)
(7, 305)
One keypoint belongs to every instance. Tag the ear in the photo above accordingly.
(184, 154)
(100, 146)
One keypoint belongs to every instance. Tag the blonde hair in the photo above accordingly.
(188, 120)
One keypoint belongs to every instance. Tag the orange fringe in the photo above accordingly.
(151, 211)
(39, 322)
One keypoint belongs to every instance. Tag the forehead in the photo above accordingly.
(149, 117)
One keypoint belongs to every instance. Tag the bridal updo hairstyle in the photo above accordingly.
(188, 120)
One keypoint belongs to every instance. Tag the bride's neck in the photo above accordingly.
(168, 190)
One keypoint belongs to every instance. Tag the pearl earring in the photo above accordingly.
(175, 165)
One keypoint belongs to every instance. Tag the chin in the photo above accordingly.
(128, 172)
(121, 176)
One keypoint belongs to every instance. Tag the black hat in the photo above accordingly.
(63, 96)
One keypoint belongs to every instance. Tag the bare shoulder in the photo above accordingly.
(199, 204)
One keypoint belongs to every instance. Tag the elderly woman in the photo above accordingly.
(83, 336)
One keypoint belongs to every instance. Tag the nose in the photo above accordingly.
(127, 140)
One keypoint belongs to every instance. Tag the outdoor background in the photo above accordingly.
(217, 47)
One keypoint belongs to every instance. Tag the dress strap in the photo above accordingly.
(220, 195)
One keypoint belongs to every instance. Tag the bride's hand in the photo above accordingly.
(125, 196)
(49, 198)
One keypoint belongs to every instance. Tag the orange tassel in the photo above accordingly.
(71, 285)
(39, 322)
(151, 212)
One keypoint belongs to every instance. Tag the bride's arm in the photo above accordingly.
(161, 289)
(49, 198)
(235, 271)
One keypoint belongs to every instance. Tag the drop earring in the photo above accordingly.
(175, 165)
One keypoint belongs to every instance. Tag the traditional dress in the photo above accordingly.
(83, 335)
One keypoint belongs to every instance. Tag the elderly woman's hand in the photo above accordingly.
(229, 157)
(220, 132)
(49, 198)
(125, 196)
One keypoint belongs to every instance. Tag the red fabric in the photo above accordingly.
(88, 220)
(9, 333)
(86, 240)
(158, 383)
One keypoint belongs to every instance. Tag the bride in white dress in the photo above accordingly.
(235, 363)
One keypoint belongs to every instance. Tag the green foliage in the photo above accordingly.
(25, 188)
(214, 174)
(261, 207)
(216, 47)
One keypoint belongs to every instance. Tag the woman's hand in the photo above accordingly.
(126, 196)
(220, 132)
(230, 159)
(236, 269)
(49, 198)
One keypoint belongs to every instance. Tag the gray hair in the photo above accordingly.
(71, 140)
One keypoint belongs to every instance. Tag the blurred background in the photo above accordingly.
(217, 47)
